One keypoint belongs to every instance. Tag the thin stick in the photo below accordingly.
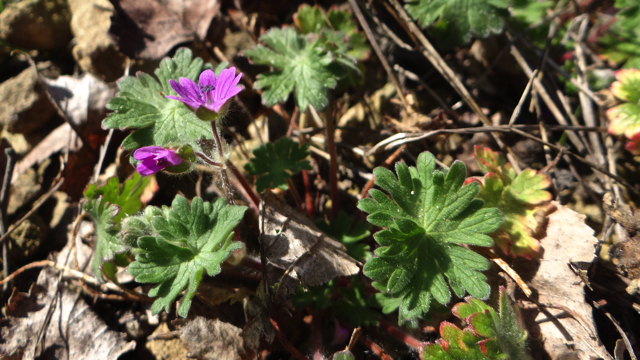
(35, 208)
(216, 139)
(4, 204)
(294, 192)
(376, 48)
(386, 163)
(506, 268)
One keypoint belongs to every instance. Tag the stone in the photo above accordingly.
(24, 106)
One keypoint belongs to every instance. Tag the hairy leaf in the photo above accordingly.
(141, 104)
(178, 244)
(348, 39)
(459, 19)
(275, 163)
(108, 205)
(625, 118)
(349, 232)
(302, 66)
(521, 198)
(490, 335)
(428, 214)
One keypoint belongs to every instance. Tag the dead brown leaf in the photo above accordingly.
(292, 240)
(564, 321)
(56, 321)
(626, 253)
(148, 29)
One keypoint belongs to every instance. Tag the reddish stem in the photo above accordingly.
(395, 332)
(307, 194)
(316, 337)
(374, 347)
(288, 345)
(252, 195)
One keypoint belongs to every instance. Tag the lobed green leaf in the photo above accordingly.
(276, 162)
(427, 215)
(179, 244)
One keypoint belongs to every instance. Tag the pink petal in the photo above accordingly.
(171, 157)
(147, 152)
(148, 167)
(207, 78)
(192, 90)
(193, 104)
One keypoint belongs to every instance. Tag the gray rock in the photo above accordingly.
(24, 106)
(36, 24)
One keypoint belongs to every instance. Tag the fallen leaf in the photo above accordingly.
(568, 240)
(212, 339)
(82, 100)
(57, 322)
(149, 29)
(292, 239)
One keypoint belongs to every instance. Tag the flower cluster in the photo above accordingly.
(207, 99)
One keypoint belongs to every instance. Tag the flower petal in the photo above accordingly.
(147, 152)
(193, 104)
(148, 167)
(192, 90)
(207, 78)
(170, 156)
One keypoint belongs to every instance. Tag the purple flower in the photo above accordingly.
(211, 93)
(155, 158)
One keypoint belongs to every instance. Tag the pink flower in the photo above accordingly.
(210, 92)
(155, 158)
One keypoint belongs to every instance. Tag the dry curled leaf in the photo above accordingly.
(560, 290)
(148, 29)
(291, 239)
(72, 330)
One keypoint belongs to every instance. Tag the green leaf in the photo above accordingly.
(351, 42)
(318, 297)
(459, 19)
(352, 307)
(303, 66)
(350, 233)
(107, 205)
(522, 199)
(181, 243)
(488, 336)
(428, 214)
(141, 104)
(276, 162)
(343, 355)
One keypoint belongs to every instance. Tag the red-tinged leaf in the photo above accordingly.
(625, 118)
(627, 86)
(521, 198)
(481, 323)
(465, 309)
(633, 146)
(491, 349)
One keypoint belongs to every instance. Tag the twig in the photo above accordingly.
(386, 163)
(587, 107)
(354, 337)
(620, 330)
(4, 204)
(433, 93)
(376, 48)
(294, 192)
(506, 268)
(35, 208)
